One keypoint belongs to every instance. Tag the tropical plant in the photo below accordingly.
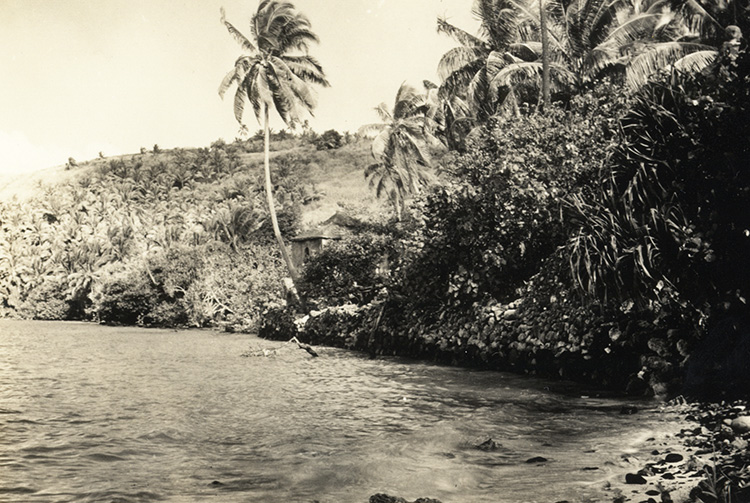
(467, 71)
(668, 224)
(587, 40)
(401, 147)
(277, 72)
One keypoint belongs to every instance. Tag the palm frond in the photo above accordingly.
(408, 101)
(384, 112)
(369, 129)
(458, 58)
(638, 27)
(457, 82)
(307, 68)
(236, 34)
(662, 55)
(239, 103)
(379, 145)
(499, 20)
(526, 72)
(298, 37)
(462, 37)
(528, 51)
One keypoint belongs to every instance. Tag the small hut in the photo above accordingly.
(311, 242)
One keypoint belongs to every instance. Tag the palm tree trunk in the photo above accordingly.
(269, 197)
(545, 56)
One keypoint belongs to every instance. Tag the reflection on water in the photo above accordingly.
(90, 413)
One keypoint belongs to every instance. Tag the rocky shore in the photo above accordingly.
(705, 461)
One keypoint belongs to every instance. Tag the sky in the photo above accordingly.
(79, 77)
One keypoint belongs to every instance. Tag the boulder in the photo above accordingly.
(741, 424)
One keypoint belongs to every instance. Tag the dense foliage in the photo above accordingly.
(668, 228)
(174, 238)
(484, 231)
(352, 270)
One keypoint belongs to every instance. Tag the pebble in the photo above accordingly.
(634, 478)
(673, 458)
(537, 459)
(741, 424)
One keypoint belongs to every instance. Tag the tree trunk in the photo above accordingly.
(269, 197)
(545, 56)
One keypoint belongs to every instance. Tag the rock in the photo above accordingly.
(634, 478)
(537, 459)
(741, 424)
(384, 498)
(668, 476)
(629, 410)
(652, 492)
(658, 346)
(488, 445)
(673, 458)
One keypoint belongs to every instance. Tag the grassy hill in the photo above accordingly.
(335, 176)
(168, 237)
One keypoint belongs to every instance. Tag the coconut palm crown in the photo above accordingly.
(277, 70)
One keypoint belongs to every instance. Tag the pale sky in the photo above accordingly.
(82, 76)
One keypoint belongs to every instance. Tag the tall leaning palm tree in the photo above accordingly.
(276, 71)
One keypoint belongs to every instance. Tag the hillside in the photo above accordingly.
(178, 237)
(335, 176)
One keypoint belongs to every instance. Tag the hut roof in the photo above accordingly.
(317, 233)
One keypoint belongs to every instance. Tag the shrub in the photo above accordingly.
(124, 295)
(486, 230)
(352, 270)
(329, 140)
(668, 227)
(46, 301)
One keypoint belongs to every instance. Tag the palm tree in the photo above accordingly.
(276, 72)
(402, 160)
(587, 39)
(466, 71)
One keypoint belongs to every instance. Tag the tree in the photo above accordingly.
(466, 71)
(277, 72)
(402, 160)
(586, 40)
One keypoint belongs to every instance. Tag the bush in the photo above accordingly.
(352, 270)
(668, 228)
(486, 230)
(235, 288)
(46, 301)
(124, 295)
(329, 140)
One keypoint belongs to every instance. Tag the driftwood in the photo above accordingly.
(273, 352)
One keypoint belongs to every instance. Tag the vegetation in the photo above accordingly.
(598, 237)
(401, 147)
(181, 237)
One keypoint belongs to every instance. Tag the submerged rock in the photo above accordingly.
(537, 459)
(384, 498)
(488, 445)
